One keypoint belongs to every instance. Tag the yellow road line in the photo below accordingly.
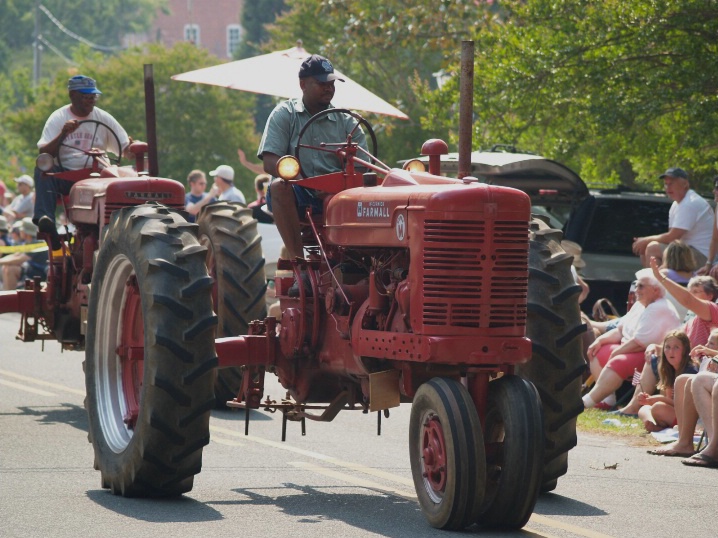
(317, 456)
(543, 520)
(25, 388)
(535, 518)
(42, 383)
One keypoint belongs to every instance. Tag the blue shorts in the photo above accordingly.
(305, 198)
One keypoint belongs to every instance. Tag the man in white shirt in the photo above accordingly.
(690, 219)
(65, 138)
(223, 187)
(22, 205)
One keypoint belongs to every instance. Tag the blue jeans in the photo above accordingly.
(47, 189)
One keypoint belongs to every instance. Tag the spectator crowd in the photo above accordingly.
(666, 345)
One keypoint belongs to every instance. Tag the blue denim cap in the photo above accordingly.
(82, 84)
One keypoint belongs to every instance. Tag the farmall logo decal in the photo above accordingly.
(400, 227)
(148, 195)
(372, 210)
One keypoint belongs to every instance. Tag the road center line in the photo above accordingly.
(535, 518)
(26, 389)
(317, 456)
(42, 383)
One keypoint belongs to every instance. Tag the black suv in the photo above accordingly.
(603, 222)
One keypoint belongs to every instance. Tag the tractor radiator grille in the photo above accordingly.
(475, 274)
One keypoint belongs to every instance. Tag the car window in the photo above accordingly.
(616, 222)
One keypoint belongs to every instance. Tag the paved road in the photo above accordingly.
(341, 480)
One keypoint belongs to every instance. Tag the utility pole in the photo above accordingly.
(36, 49)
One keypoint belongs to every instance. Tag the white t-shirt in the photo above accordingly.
(86, 137)
(694, 215)
(649, 325)
(233, 194)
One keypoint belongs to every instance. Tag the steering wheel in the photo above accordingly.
(330, 147)
(90, 154)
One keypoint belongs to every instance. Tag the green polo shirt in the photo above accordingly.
(282, 133)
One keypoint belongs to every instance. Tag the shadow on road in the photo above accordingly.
(71, 414)
(176, 510)
(551, 504)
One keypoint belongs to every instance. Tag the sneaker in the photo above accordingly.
(47, 226)
(293, 291)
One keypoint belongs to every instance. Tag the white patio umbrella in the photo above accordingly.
(277, 74)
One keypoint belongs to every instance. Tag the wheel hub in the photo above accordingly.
(433, 451)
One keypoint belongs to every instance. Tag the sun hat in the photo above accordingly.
(575, 250)
(29, 227)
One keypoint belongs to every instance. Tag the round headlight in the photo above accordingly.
(415, 165)
(288, 167)
(45, 162)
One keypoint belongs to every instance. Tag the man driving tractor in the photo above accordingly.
(281, 134)
(69, 136)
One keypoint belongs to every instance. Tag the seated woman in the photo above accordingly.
(679, 264)
(658, 412)
(700, 295)
(614, 356)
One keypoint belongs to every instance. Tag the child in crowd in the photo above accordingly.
(658, 412)
(704, 354)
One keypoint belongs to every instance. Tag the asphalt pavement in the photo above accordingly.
(341, 479)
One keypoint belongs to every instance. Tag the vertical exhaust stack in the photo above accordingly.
(151, 122)
(466, 107)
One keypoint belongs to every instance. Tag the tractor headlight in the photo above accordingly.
(45, 162)
(288, 167)
(414, 165)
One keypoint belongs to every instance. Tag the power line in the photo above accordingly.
(73, 34)
(55, 50)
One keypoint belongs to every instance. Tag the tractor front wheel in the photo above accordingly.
(150, 361)
(513, 433)
(447, 456)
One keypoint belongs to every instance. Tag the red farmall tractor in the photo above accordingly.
(415, 288)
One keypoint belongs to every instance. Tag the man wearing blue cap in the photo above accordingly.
(287, 202)
(63, 129)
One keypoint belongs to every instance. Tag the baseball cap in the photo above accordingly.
(318, 67)
(27, 180)
(674, 172)
(224, 171)
(82, 84)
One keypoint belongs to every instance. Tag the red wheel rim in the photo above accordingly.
(132, 351)
(433, 454)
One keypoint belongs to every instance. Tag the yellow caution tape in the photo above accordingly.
(29, 247)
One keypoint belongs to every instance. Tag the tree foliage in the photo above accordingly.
(388, 47)
(619, 90)
(198, 126)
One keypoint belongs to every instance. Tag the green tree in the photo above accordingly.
(198, 126)
(619, 90)
(388, 47)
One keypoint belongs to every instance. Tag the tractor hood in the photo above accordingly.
(542, 179)
(385, 215)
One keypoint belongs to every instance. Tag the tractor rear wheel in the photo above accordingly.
(447, 456)
(150, 359)
(235, 261)
(513, 436)
(555, 328)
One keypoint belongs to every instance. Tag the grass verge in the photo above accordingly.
(602, 423)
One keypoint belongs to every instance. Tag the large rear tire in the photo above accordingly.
(513, 434)
(150, 359)
(447, 456)
(235, 261)
(555, 328)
